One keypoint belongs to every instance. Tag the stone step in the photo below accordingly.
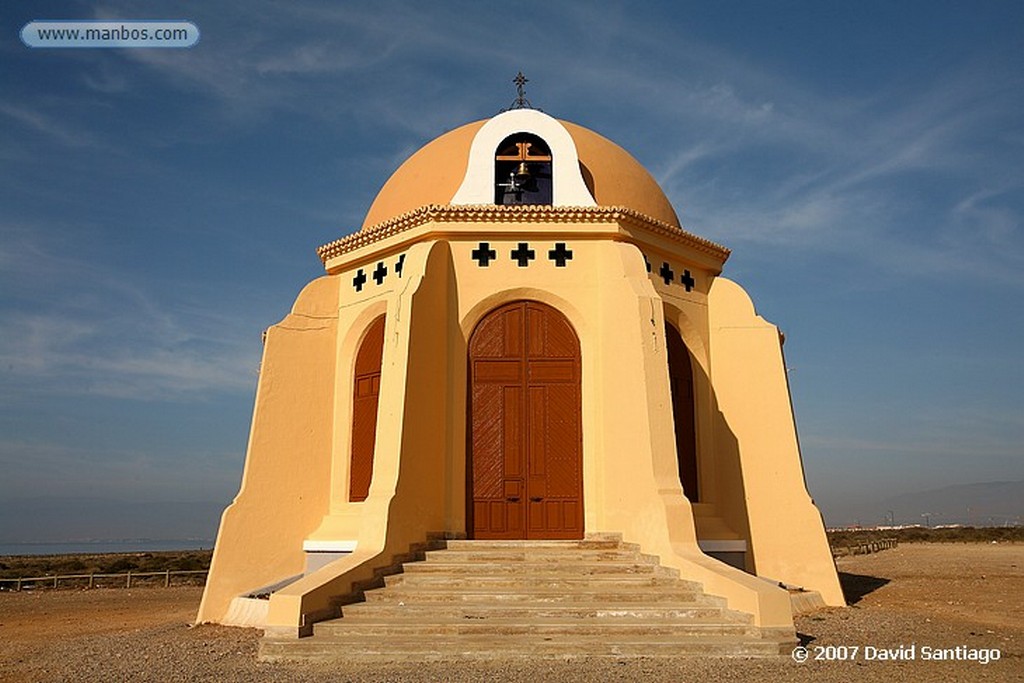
(539, 557)
(583, 544)
(534, 568)
(566, 582)
(611, 593)
(550, 626)
(493, 600)
(429, 613)
(371, 649)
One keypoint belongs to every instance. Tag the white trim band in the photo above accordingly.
(329, 546)
(739, 546)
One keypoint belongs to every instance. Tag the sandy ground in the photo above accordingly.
(920, 595)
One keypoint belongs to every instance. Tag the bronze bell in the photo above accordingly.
(522, 173)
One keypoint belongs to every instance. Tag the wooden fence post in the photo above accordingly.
(20, 582)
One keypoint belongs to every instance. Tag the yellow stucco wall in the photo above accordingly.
(630, 478)
(295, 487)
(413, 479)
(281, 498)
(787, 536)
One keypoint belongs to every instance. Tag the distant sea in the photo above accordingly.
(90, 547)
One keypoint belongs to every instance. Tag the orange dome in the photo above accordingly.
(434, 173)
(617, 179)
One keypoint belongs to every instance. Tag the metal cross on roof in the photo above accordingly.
(521, 102)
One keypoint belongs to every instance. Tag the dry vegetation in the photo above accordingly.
(14, 566)
(916, 534)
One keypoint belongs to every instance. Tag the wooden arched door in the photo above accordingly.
(364, 410)
(525, 435)
(680, 373)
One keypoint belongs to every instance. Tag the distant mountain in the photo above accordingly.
(983, 504)
(988, 504)
(58, 520)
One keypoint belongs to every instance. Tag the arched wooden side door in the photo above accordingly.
(526, 453)
(364, 410)
(680, 373)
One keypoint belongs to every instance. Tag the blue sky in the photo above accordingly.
(160, 208)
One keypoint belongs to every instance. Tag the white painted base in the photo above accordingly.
(321, 553)
(248, 612)
(738, 546)
(329, 546)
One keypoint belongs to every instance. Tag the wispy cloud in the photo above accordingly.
(896, 188)
(50, 353)
(48, 125)
(106, 81)
(270, 58)
(93, 331)
(61, 469)
(747, 153)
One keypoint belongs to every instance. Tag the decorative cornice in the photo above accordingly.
(523, 213)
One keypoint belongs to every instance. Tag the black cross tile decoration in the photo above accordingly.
(560, 254)
(400, 265)
(379, 273)
(483, 254)
(666, 273)
(687, 280)
(647, 263)
(523, 254)
(359, 280)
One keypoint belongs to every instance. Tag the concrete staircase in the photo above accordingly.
(598, 597)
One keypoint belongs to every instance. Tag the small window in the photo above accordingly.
(522, 171)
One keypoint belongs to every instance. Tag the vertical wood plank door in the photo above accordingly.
(364, 410)
(526, 455)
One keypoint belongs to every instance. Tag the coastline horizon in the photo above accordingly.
(102, 546)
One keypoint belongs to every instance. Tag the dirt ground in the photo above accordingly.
(940, 596)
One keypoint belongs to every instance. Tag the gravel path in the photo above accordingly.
(939, 596)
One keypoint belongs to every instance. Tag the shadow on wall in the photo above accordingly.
(724, 489)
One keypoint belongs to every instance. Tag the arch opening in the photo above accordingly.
(366, 395)
(684, 415)
(522, 171)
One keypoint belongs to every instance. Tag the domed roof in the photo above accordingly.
(434, 174)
